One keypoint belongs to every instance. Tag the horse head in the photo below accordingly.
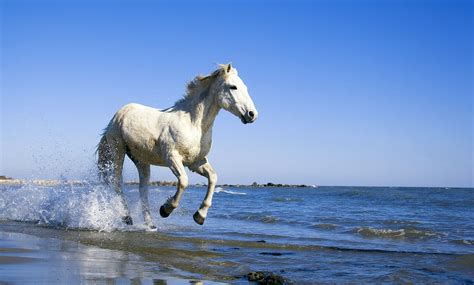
(232, 94)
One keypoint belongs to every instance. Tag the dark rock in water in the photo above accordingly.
(266, 278)
(262, 241)
(256, 276)
(271, 253)
(274, 279)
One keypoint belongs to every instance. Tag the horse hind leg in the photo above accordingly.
(119, 156)
(144, 176)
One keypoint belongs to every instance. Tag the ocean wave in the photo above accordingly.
(408, 233)
(267, 219)
(464, 241)
(325, 226)
(221, 190)
(401, 223)
(287, 199)
(263, 218)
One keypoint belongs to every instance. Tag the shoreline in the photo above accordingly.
(8, 181)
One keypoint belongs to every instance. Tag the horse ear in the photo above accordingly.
(229, 67)
(202, 77)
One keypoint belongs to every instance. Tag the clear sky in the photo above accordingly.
(348, 92)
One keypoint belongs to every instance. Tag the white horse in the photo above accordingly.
(175, 137)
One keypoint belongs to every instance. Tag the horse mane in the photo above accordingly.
(201, 82)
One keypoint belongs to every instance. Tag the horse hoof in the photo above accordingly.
(198, 218)
(127, 220)
(163, 212)
(152, 228)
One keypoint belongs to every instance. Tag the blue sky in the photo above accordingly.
(348, 92)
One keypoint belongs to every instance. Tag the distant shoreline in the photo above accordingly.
(4, 180)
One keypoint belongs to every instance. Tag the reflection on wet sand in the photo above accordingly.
(50, 260)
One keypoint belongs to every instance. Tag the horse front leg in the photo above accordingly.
(205, 169)
(176, 166)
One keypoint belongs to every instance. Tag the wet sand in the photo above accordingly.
(51, 255)
(39, 259)
(130, 255)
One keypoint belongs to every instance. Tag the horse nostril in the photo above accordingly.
(251, 114)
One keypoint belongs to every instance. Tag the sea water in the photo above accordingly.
(308, 235)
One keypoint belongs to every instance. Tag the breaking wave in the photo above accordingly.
(409, 233)
(464, 242)
(221, 190)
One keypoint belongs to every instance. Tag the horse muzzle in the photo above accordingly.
(249, 117)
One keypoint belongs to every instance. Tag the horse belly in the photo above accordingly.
(141, 141)
(148, 157)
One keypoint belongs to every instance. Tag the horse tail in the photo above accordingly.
(111, 152)
(105, 159)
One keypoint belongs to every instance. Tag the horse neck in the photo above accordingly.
(203, 109)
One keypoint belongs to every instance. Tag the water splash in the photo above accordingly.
(92, 207)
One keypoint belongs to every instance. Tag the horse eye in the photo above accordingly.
(233, 87)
